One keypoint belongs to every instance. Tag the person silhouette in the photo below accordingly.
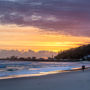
(83, 68)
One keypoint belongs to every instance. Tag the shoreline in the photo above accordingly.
(74, 80)
(41, 74)
(46, 60)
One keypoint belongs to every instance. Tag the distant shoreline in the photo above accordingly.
(37, 60)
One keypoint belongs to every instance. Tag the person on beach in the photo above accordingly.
(83, 67)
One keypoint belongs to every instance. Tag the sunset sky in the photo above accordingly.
(52, 25)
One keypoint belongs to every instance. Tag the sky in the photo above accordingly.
(52, 25)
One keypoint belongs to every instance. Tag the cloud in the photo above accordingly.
(29, 53)
(67, 16)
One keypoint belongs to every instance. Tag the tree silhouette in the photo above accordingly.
(75, 53)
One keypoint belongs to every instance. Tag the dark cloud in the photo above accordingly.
(67, 16)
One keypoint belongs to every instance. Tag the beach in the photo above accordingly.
(72, 80)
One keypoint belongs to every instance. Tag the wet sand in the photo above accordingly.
(75, 80)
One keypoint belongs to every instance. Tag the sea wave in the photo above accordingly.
(15, 69)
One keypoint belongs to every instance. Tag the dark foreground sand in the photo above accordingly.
(75, 80)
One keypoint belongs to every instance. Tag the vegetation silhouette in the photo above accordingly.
(75, 53)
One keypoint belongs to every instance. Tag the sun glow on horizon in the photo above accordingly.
(25, 38)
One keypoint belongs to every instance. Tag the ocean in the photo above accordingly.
(15, 69)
